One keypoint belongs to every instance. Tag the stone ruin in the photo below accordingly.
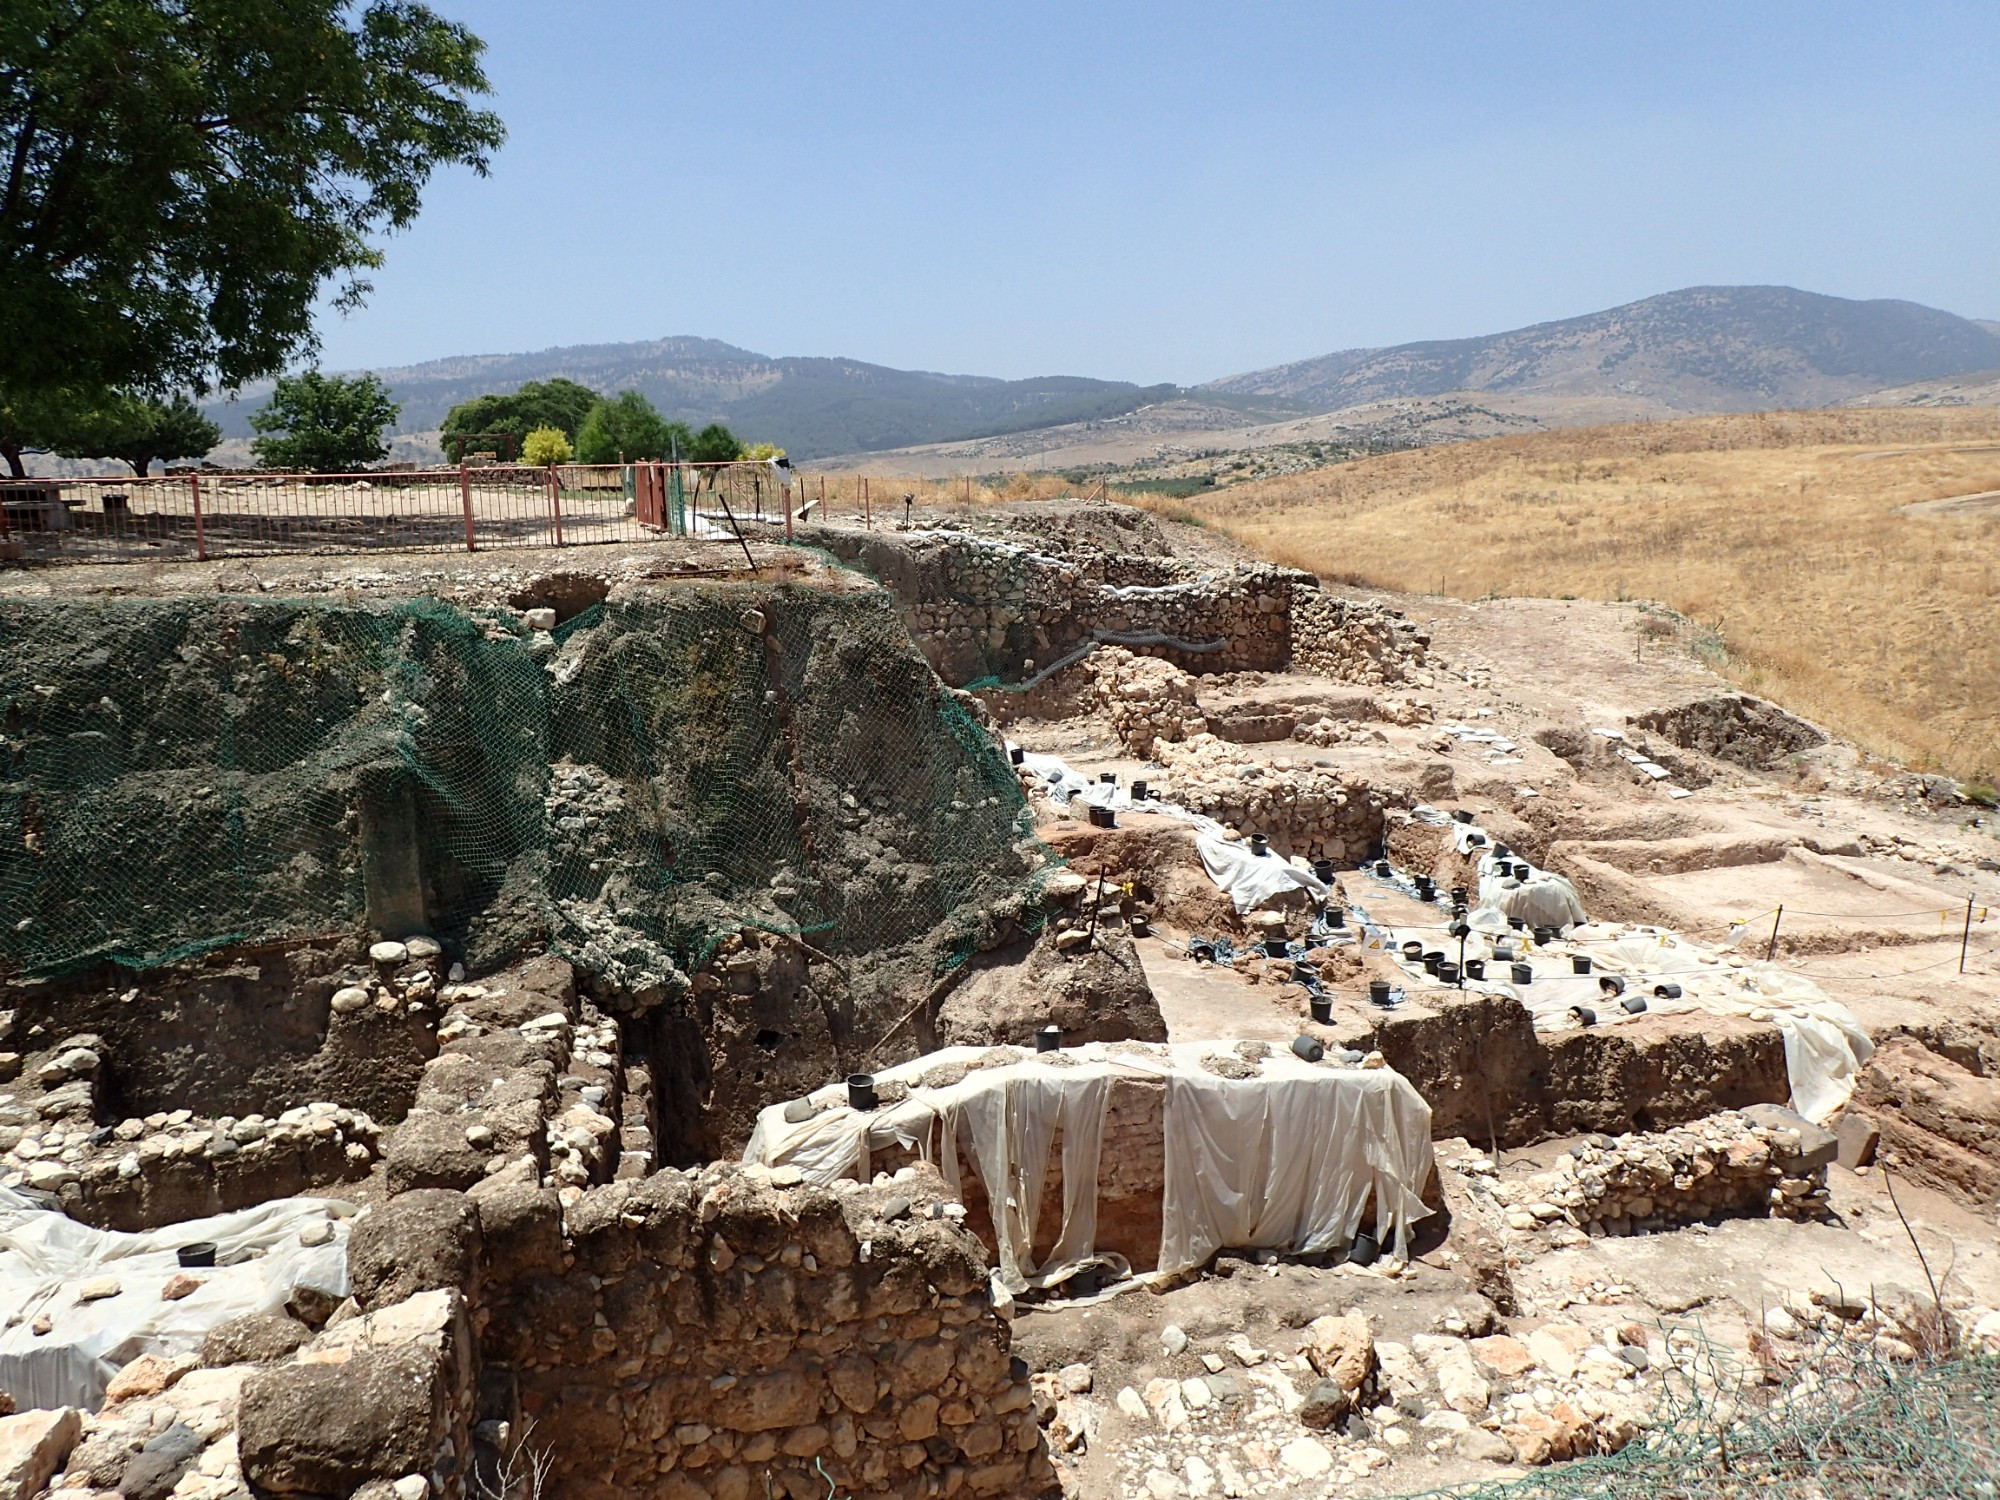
(524, 1126)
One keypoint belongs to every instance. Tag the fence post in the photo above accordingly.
(200, 538)
(555, 502)
(465, 499)
(785, 498)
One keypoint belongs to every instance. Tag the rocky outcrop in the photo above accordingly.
(1095, 993)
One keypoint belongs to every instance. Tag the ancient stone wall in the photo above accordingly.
(717, 1334)
(1733, 1165)
(981, 607)
(1356, 641)
(1307, 811)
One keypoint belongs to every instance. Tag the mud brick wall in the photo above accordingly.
(703, 1335)
(980, 608)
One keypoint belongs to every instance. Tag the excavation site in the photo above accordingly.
(1009, 999)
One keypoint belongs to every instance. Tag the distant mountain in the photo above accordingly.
(1714, 348)
(811, 407)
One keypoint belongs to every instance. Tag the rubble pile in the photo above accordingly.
(1735, 1164)
(1308, 811)
(1357, 641)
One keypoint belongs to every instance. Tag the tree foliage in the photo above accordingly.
(627, 428)
(182, 180)
(323, 423)
(41, 420)
(558, 403)
(138, 430)
(546, 445)
(715, 444)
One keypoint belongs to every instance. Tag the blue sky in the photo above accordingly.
(1178, 192)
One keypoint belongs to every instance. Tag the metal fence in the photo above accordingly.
(469, 508)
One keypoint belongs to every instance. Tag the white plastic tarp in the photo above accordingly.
(46, 1258)
(1286, 1160)
(1249, 880)
(1289, 1161)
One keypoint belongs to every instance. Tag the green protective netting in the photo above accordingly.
(179, 776)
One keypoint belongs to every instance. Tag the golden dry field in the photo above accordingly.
(1803, 548)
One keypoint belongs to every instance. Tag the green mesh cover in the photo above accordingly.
(181, 775)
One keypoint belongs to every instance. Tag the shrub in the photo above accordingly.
(546, 445)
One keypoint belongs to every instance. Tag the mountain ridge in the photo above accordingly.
(1699, 349)
(1696, 349)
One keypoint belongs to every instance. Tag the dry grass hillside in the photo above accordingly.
(1798, 545)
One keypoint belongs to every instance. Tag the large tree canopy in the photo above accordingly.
(139, 429)
(328, 424)
(627, 428)
(555, 403)
(181, 180)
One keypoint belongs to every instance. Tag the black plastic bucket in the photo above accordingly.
(1306, 1049)
(196, 1256)
(1458, 895)
(1544, 936)
(1433, 961)
(1462, 815)
(1501, 851)
(1378, 991)
(1413, 951)
(1475, 968)
(1049, 1039)
(1633, 1004)
(861, 1091)
(1016, 754)
(1584, 1015)
(1276, 947)
(1524, 974)
(1336, 916)
(1086, 1282)
(1322, 1009)
(1667, 991)
(1474, 840)
(1259, 845)
(1138, 791)
(1382, 869)
(1365, 1251)
(1109, 778)
(1447, 973)
(1579, 963)
(1610, 984)
(1323, 871)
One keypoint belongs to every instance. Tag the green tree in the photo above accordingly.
(139, 429)
(323, 423)
(181, 181)
(558, 403)
(626, 428)
(546, 445)
(44, 419)
(715, 444)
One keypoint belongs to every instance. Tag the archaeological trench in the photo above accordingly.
(431, 1009)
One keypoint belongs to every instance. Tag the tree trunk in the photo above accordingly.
(14, 468)
(140, 463)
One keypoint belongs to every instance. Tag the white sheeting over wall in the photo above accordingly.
(1825, 1045)
(49, 1256)
(1288, 1160)
(1249, 880)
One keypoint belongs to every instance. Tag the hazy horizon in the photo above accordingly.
(1167, 194)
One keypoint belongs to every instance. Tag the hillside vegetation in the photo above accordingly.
(1784, 538)
(1701, 349)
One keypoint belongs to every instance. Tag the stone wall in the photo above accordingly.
(1758, 1163)
(1357, 641)
(984, 607)
(717, 1333)
(1303, 810)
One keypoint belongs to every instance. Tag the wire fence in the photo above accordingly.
(473, 507)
